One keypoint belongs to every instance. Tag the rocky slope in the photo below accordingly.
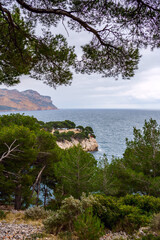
(88, 145)
(13, 100)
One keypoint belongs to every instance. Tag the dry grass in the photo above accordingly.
(19, 218)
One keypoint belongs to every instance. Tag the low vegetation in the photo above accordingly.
(60, 130)
(72, 193)
(36, 213)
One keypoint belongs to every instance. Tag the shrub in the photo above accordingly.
(2, 214)
(146, 203)
(64, 135)
(36, 213)
(118, 216)
(88, 226)
(155, 223)
(107, 210)
(53, 205)
(62, 219)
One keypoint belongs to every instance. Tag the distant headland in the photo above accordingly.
(13, 100)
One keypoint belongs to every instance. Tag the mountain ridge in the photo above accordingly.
(28, 100)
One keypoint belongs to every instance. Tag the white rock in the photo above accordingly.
(88, 144)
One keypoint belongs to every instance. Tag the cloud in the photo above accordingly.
(93, 91)
(148, 86)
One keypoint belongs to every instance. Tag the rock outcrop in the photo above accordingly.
(88, 144)
(13, 100)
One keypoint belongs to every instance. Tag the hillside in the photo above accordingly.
(13, 100)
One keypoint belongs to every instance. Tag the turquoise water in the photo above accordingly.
(111, 127)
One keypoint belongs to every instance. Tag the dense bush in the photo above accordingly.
(138, 171)
(57, 124)
(64, 135)
(116, 215)
(20, 120)
(113, 213)
(63, 219)
(146, 203)
(106, 208)
(84, 132)
(88, 226)
(36, 213)
(70, 134)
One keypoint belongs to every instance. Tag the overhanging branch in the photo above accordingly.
(65, 13)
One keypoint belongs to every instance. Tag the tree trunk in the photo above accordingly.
(45, 196)
(18, 197)
(38, 191)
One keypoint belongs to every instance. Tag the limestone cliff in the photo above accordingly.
(13, 100)
(88, 144)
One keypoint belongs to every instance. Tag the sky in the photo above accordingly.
(92, 91)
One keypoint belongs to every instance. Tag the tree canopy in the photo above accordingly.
(75, 173)
(27, 152)
(119, 29)
(139, 169)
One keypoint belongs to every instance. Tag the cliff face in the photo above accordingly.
(88, 145)
(13, 100)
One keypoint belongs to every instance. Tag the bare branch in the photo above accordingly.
(37, 179)
(10, 150)
(149, 6)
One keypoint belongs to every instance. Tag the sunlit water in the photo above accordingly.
(111, 127)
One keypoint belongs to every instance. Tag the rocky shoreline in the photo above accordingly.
(88, 144)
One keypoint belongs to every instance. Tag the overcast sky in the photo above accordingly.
(93, 91)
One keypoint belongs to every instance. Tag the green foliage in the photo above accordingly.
(2, 214)
(67, 124)
(80, 128)
(147, 203)
(88, 226)
(64, 135)
(112, 212)
(122, 215)
(139, 169)
(117, 29)
(34, 150)
(17, 167)
(81, 135)
(48, 58)
(20, 120)
(105, 183)
(63, 219)
(36, 213)
(75, 173)
(106, 208)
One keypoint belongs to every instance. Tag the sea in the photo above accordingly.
(111, 126)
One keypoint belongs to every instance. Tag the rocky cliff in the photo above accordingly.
(88, 144)
(13, 100)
